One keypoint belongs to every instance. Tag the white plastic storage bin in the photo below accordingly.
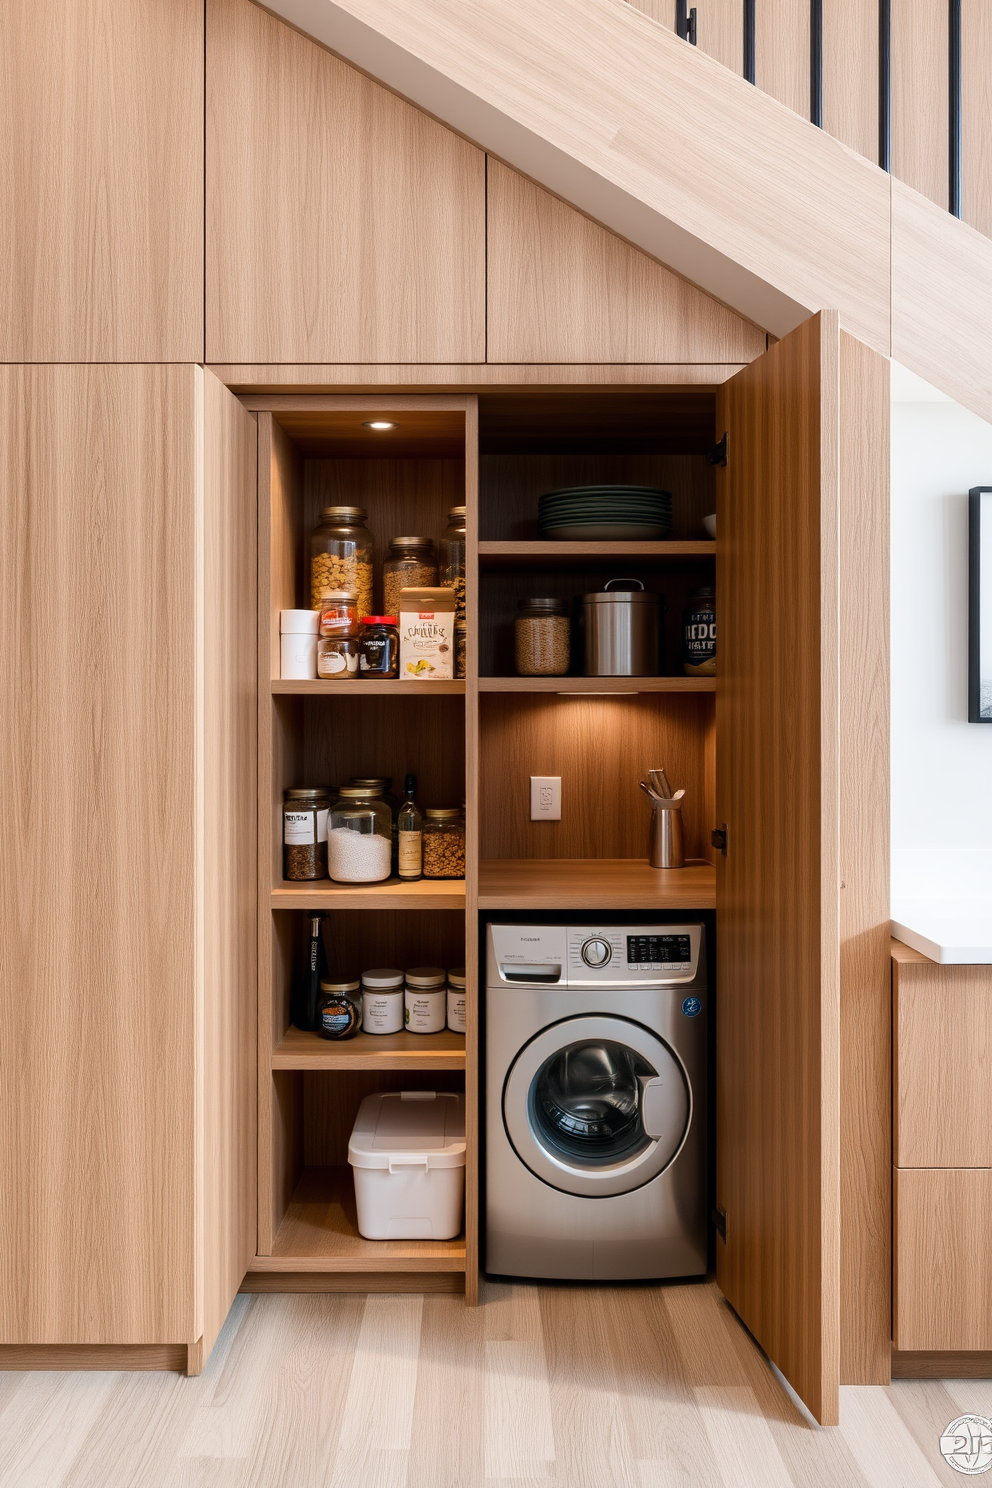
(407, 1151)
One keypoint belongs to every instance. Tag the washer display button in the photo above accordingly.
(659, 952)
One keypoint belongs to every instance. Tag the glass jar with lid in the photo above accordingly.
(383, 786)
(443, 843)
(338, 614)
(379, 647)
(699, 634)
(359, 836)
(451, 557)
(461, 647)
(541, 636)
(304, 832)
(411, 564)
(340, 557)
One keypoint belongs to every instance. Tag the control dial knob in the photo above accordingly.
(596, 952)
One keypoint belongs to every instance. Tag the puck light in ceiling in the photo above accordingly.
(378, 424)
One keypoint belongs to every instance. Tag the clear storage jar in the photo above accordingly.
(461, 647)
(410, 564)
(444, 843)
(542, 638)
(451, 557)
(341, 557)
(339, 614)
(359, 836)
(304, 832)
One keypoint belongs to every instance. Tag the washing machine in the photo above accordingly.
(596, 1062)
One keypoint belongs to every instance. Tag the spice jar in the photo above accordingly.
(339, 1013)
(541, 636)
(337, 658)
(382, 1001)
(379, 647)
(699, 634)
(451, 555)
(461, 647)
(424, 999)
(411, 563)
(338, 613)
(358, 842)
(304, 832)
(341, 557)
(456, 999)
(444, 843)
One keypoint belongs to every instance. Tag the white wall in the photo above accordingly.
(941, 764)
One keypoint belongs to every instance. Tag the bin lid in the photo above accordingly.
(409, 1128)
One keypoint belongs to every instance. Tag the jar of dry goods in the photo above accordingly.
(339, 1010)
(411, 564)
(379, 647)
(340, 557)
(338, 613)
(541, 635)
(359, 839)
(337, 658)
(304, 832)
(444, 843)
(451, 557)
(461, 647)
(699, 634)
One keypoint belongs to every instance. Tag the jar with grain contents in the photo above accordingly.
(359, 836)
(444, 843)
(541, 635)
(304, 832)
(340, 557)
(461, 647)
(451, 554)
(411, 564)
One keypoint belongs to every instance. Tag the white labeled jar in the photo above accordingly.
(382, 1001)
(298, 644)
(425, 999)
(456, 999)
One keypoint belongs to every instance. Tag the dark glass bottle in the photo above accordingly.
(410, 826)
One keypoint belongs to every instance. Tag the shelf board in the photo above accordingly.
(320, 1233)
(543, 554)
(594, 883)
(371, 687)
(392, 893)
(597, 685)
(367, 1051)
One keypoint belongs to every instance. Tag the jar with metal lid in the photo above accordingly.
(339, 1012)
(451, 557)
(541, 635)
(337, 658)
(382, 785)
(461, 647)
(699, 634)
(382, 1000)
(622, 630)
(444, 843)
(424, 999)
(379, 647)
(340, 557)
(411, 564)
(359, 839)
(304, 832)
(338, 613)
(456, 999)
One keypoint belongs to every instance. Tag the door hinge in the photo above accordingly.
(720, 1223)
(718, 838)
(718, 455)
(685, 22)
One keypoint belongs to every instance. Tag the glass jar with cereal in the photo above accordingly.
(443, 843)
(340, 557)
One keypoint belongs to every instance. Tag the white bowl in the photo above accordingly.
(710, 524)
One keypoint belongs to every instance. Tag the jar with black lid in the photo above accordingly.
(699, 634)
(379, 647)
(304, 832)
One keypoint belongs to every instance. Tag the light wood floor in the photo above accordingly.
(643, 1388)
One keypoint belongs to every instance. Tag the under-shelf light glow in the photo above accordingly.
(611, 693)
(378, 424)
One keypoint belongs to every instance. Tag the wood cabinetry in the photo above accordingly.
(101, 181)
(127, 996)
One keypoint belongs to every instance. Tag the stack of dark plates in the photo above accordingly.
(604, 513)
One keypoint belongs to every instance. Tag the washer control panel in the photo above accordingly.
(593, 955)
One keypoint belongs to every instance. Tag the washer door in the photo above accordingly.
(597, 1106)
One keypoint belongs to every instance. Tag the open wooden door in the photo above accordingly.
(778, 996)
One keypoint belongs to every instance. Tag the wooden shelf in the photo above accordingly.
(376, 687)
(320, 1233)
(367, 1051)
(543, 554)
(597, 685)
(593, 883)
(392, 893)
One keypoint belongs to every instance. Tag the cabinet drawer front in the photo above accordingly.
(942, 1053)
(942, 1293)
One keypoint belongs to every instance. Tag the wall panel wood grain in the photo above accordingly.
(719, 27)
(976, 112)
(781, 46)
(101, 181)
(919, 96)
(850, 75)
(342, 224)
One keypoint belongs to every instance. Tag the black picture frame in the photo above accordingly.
(980, 604)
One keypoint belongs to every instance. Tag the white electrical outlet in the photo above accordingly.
(545, 798)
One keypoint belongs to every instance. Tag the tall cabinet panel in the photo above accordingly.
(101, 181)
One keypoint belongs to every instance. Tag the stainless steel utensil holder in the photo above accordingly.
(667, 844)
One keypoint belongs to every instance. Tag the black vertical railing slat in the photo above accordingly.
(749, 67)
(884, 84)
(682, 18)
(816, 62)
(954, 107)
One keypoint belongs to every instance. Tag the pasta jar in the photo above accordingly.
(341, 557)
(382, 1001)
(338, 613)
(411, 564)
(541, 635)
(461, 647)
(456, 999)
(451, 555)
(444, 843)
(339, 1010)
(699, 634)
(304, 832)
(359, 839)
(425, 999)
(379, 647)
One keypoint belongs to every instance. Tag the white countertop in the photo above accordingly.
(942, 904)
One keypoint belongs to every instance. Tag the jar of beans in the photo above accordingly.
(340, 557)
(304, 832)
(444, 843)
(541, 638)
(411, 564)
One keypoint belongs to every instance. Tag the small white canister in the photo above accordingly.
(382, 1001)
(456, 999)
(425, 999)
(298, 644)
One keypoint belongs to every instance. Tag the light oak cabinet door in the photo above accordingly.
(942, 1284)
(101, 181)
(343, 225)
(127, 999)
